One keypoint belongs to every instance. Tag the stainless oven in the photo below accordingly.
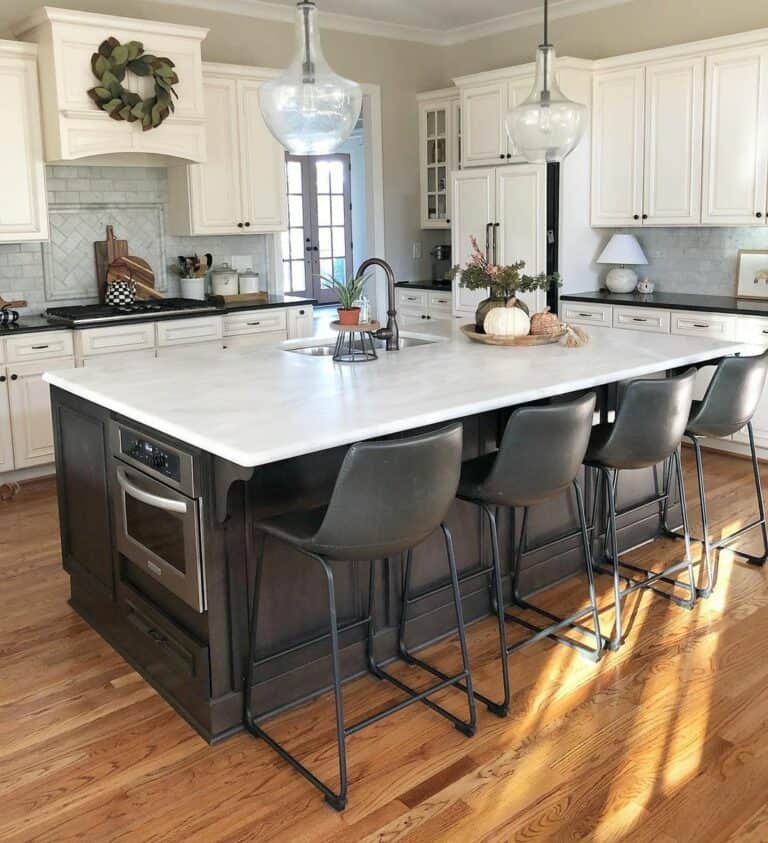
(158, 512)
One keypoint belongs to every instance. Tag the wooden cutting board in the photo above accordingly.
(131, 268)
(106, 251)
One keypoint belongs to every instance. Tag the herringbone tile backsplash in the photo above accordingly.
(82, 202)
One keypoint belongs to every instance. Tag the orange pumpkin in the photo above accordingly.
(544, 322)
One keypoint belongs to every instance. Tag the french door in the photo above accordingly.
(319, 236)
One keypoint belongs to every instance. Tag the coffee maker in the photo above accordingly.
(441, 262)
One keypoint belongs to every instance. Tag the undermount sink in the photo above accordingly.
(326, 349)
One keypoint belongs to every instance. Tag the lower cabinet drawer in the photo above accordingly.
(580, 313)
(169, 654)
(440, 303)
(42, 346)
(642, 319)
(254, 322)
(182, 331)
(719, 326)
(413, 299)
(114, 338)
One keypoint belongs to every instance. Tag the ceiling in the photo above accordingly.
(429, 21)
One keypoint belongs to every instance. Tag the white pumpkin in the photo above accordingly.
(507, 321)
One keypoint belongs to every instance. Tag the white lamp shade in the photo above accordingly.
(623, 249)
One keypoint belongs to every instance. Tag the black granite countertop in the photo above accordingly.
(436, 286)
(30, 324)
(675, 301)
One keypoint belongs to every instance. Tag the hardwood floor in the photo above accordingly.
(666, 740)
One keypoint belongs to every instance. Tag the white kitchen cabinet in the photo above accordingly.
(483, 137)
(582, 313)
(473, 214)
(300, 322)
(617, 147)
(418, 310)
(241, 188)
(736, 137)
(674, 112)
(718, 326)
(650, 319)
(517, 91)
(30, 411)
(23, 209)
(438, 156)
(521, 223)
(38, 346)
(6, 438)
(199, 329)
(113, 339)
(505, 210)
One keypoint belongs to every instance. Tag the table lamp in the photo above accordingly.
(622, 249)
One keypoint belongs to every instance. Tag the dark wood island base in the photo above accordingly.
(196, 660)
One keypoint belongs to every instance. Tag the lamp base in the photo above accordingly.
(621, 280)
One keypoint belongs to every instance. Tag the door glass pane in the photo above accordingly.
(441, 122)
(295, 211)
(157, 530)
(431, 206)
(323, 176)
(323, 210)
(431, 181)
(326, 268)
(294, 177)
(441, 151)
(430, 152)
(337, 177)
(297, 244)
(430, 123)
(337, 210)
(441, 206)
(325, 242)
(442, 178)
(339, 268)
(339, 246)
(299, 282)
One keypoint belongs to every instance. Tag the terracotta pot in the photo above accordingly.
(488, 304)
(348, 316)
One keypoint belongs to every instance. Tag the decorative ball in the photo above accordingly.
(544, 323)
(507, 321)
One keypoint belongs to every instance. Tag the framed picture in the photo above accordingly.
(752, 274)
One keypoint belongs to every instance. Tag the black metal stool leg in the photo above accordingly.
(686, 528)
(371, 637)
(590, 572)
(711, 581)
(614, 557)
(335, 800)
(403, 650)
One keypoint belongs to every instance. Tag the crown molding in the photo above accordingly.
(265, 10)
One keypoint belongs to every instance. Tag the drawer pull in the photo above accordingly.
(411, 298)
(253, 323)
(586, 314)
(765, 330)
(639, 319)
(39, 347)
(701, 325)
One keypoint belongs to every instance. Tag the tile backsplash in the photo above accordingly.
(82, 202)
(692, 260)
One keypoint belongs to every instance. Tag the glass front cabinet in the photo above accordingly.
(439, 128)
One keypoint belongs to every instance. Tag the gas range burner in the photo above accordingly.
(89, 313)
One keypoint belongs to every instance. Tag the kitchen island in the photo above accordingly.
(210, 445)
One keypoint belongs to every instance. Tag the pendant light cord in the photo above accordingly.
(308, 67)
(546, 23)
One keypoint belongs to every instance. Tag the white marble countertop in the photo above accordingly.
(266, 404)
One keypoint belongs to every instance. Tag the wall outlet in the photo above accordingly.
(417, 251)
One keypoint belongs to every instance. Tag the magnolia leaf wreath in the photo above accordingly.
(109, 66)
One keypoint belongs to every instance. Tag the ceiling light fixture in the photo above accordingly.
(546, 126)
(310, 109)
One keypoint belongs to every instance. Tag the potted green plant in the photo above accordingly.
(502, 282)
(349, 292)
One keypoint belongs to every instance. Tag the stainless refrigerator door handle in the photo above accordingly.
(147, 497)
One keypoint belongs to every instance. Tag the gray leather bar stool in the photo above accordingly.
(539, 458)
(389, 496)
(728, 405)
(648, 428)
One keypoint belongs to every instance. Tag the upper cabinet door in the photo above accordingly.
(264, 184)
(436, 158)
(736, 137)
(674, 112)
(23, 208)
(484, 139)
(517, 91)
(472, 215)
(617, 148)
(215, 195)
(521, 212)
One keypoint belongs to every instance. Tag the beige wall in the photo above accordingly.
(401, 68)
(626, 28)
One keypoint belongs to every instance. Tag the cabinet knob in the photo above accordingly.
(14, 377)
(645, 216)
(2, 377)
(636, 216)
(758, 215)
(428, 316)
(239, 225)
(448, 221)
(423, 316)
(509, 155)
(502, 156)
(247, 225)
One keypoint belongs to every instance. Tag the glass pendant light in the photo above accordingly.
(547, 125)
(310, 109)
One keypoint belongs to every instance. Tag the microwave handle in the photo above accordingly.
(147, 497)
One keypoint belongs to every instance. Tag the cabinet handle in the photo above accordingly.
(496, 242)
(253, 323)
(700, 325)
(247, 225)
(765, 331)
(639, 319)
(239, 225)
(509, 155)
(423, 316)
(488, 227)
(301, 313)
(502, 156)
(39, 347)
(448, 221)
(636, 216)
(428, 316)
(2, 377)
(645, 216)
(758, 215)
(14, 377)
(586, 314)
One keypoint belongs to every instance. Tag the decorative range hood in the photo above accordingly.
(75, 128)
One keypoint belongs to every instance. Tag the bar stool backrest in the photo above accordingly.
(541, 451)
(650, 421)
(732, 396)
(390, 495)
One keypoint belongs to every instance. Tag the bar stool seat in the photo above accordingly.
(388, 497)
(647, 431)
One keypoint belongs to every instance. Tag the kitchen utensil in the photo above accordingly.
(224, 281)
(249, 282)
(106, 251)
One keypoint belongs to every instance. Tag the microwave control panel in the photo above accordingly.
(161, 459)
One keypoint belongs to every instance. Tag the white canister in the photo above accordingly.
(192, 288)
(224, 280)
(250, 281)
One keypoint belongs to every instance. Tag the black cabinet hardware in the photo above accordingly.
(636, 216)
(639, 319)
(700, 325)
(247, 225)
(2, 377)
(239, 225)
(253, 323)
(39, 347)
(758, 215)
(645, 216)
(502, 156)
(448, 221)
(14, 377)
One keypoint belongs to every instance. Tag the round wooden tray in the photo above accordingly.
(494, 339)
(360, 327)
